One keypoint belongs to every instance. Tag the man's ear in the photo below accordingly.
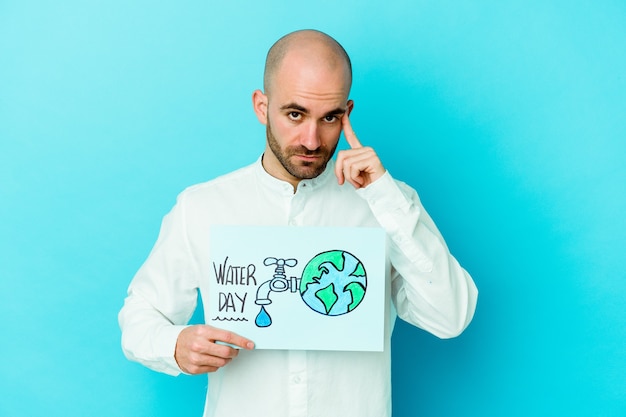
(350, 106)
(259, 104)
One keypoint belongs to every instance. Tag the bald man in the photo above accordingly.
(304, 107)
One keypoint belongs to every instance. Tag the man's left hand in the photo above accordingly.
(359, 165)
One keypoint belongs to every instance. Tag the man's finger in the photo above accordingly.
(348, 132)
(232, 339)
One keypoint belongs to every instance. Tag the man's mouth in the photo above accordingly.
(309, 157)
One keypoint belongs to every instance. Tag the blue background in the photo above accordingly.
(509, 118)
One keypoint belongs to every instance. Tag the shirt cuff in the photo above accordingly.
(384, 195)
(164, 348)
(400, 217)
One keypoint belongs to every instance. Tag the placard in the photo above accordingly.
(314, 288)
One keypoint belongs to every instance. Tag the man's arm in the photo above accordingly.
(429, 287)
(161, 299)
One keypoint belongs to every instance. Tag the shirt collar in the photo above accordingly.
(284, 187)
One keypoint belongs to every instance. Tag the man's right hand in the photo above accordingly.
(198, 353)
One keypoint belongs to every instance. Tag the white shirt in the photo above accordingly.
(427, 285)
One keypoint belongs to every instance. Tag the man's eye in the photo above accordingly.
(330, 119)
(294, 115)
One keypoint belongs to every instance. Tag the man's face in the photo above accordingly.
(303, 120)
(299, 161)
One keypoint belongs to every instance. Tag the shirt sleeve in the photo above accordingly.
(161, 297)
(428, 286)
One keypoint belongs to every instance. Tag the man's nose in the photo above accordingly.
(310, 137)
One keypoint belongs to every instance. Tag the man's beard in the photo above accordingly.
(303, 170)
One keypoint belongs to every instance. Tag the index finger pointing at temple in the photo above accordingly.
(348, 132)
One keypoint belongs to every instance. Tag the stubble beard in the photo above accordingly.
(304, 169)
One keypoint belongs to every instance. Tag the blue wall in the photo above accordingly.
(509, 118)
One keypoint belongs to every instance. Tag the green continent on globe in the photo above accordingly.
(333, 283)
(327, 296)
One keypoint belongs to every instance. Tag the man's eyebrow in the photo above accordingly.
(336, 111)
(294, 106)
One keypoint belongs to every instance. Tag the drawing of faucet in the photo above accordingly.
(279, 282)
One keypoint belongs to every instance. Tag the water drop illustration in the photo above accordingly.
(263, 319)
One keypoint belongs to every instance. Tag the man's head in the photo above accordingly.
(326, 48)
(307, 81)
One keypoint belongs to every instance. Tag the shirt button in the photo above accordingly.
(296, 379)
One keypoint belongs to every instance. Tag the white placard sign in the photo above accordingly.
(314, 288)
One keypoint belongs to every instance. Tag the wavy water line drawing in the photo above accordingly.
(230, 319)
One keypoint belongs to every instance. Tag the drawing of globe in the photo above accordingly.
(333, 283)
